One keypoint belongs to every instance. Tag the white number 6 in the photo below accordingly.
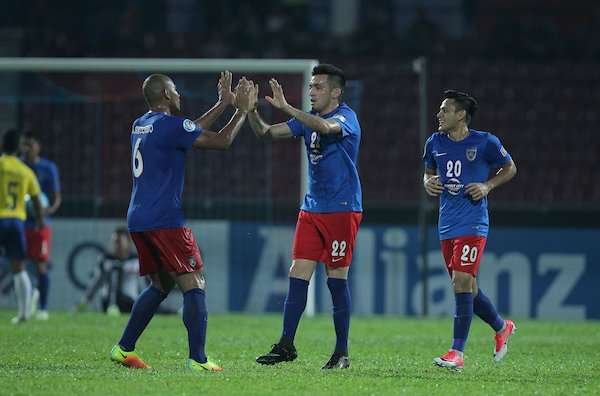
(138, 163)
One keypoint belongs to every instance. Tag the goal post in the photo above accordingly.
(179, 65)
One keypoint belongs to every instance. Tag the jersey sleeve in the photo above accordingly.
(428, 158)
(33, 186)
(347, 120)
(495, 153)
(55, 178)
(186, 132)
(296, 127)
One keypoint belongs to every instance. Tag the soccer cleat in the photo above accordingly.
(279, 353)
(451, 360)
(337, 361)
(502, 340)
(41, 315)
(18, 320)
(127, 359)
(193, 365)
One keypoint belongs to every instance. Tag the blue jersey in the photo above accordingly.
(159, 143)
(333, 182)
(459, 164)
(47, 175)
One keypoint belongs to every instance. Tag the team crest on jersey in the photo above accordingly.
(472, 153)
(189, 125)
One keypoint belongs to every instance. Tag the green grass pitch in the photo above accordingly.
(68, 355)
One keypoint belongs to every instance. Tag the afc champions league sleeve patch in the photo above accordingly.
(503, 151)
(189, 125)
(340, 117)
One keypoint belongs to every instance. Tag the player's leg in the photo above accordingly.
(306, 250)
(195, 318)
(339, 231)
(142, 312)
(22, 286)
(15, 246)
(462, 256)
(147, 302)
(483, 307)
(41, 263)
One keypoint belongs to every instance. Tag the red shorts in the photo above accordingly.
(463, 254)
(38, 243)
(326, 237)
(169, 250)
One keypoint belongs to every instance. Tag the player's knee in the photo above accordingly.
(301, 269)
(462, 282)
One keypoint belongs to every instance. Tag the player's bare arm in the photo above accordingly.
(56, 200)
(478, 191)
(226, 98)
(261, 129)
(222, 140)
(315, 123)
(431, 182)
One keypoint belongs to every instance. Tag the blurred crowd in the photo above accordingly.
(524, 29)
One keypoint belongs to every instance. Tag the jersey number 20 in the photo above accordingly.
(138, 163)
(453, 169)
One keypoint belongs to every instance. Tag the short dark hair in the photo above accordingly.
(334, 73)
(463, 101)
(31, 135)
(153, 88)
(10, 141)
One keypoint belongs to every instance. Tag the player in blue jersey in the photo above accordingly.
(16, 182)
(167, 250)
(39, 240)
(458, 163)
(332, 209)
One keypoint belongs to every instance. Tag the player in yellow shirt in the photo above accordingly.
(17, 181)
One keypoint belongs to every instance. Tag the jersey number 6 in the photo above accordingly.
(138, 163)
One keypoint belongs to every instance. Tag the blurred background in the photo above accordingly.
(533, 66)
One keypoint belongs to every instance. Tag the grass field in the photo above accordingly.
(389, 356)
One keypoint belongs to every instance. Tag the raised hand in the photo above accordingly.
(243, 94)
(253, 96)
(432, 185)
(278, 99)
(224, 88)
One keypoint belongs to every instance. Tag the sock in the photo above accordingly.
(22, 285)
(43, 286)
(462, 320)
(340, 295)
(195, 318)
(483, 307)
(142, 312)
(295, 302)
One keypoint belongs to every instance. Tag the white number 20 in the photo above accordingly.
(453, 169)
(469, 254)
(138, 163)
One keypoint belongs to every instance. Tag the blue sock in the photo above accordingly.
(43, 286)
(195, 318)
(462, 320)
(483, 307)
(340, 294)
(142, 312)
(295, 302)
